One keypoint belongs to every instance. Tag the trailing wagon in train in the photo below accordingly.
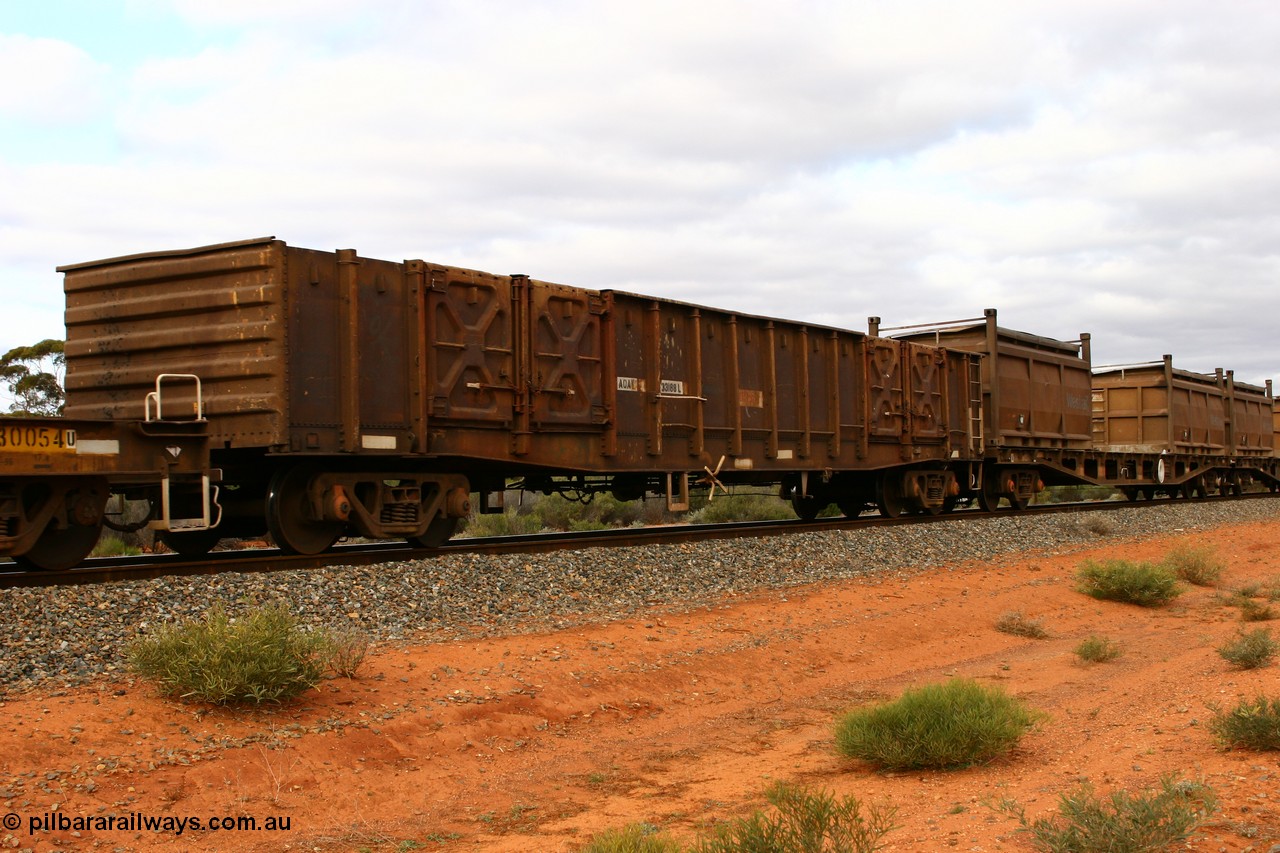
(350, 395)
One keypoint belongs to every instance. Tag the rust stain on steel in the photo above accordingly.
(309, 352)
(1157, 407)
(1036, 390)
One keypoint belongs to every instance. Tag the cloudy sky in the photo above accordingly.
(1110, 166)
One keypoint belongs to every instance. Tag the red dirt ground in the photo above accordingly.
(679, 719)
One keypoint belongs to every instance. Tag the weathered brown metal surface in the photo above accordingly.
(122, 452)
(1250, 418)
(323, 353)
(1275, 428)
(216, 312)
(1155, 408)
(700, 387)
(1036, 390)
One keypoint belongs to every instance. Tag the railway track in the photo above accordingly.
(111, 569)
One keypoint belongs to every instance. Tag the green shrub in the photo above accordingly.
(729, 508)
(1021, 626)
(1250, 725)
(1272, 588)
(1121, 822)
(1073, 494)
(509, 522)
(1096, 649)
(533, 513)
(1254, 611)
(113, 546)
(344, 649)
(803, 821)
(633, 838)
(1195, 565)
(262, 657)
(1144, 584)
(954, 724)
(1250, 650)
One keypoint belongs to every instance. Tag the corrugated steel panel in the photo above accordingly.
(215, 312)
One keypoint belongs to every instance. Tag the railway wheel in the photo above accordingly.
(989, 495)
(807, 507)
(58, 550)
(288, 520)
(439, 531)
(191, 543)
(851, 507)
(889, 497)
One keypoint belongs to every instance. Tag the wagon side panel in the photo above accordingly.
(216, 312)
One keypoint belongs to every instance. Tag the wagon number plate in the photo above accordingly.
(36, 439)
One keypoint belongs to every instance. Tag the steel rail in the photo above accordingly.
(112, 569)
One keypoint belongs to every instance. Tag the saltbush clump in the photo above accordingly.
(954, 724)
(1144, 584)
(802, 821)
(264, 656)
(746, 507)
(1195, 565)
(1121, 822)
(1252, 724)
(1097, 649)
(1251, 649)
(1015, 623)
(1254, 611)
(633, 838)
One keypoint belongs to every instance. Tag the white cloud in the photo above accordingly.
(1101, 166)
(48, 82)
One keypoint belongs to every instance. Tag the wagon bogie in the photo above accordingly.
(308, 508)
(56, 475)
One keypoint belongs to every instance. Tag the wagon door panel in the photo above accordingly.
(567, 356)
(470, 370)
(885, 381)
(927, 378)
